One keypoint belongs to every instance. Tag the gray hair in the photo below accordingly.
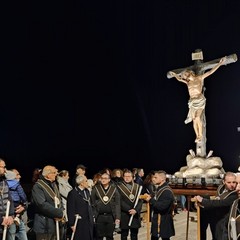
(47, 170)
(80, 179)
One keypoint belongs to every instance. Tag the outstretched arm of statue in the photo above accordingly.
(177, 76)
(220, 63)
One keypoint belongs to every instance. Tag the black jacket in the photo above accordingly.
(78, 203)
(221, 207)
(162, 206)
(126, 205)
(114, 203)
(44, 207)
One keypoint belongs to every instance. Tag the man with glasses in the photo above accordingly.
(47, 203)
(106, 205)
(4, 198)
(130, 206)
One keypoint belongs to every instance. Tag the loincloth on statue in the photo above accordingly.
(194, 104)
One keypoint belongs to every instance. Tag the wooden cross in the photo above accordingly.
(199, 68)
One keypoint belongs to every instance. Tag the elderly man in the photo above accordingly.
(4, 198)
(46, 200)
(79, 210)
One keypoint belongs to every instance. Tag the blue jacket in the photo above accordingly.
(17, 193)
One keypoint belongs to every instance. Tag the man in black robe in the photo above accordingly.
(78, 204)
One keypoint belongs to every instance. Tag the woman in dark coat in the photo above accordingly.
(78, 202)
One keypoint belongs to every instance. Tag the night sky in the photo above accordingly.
(85, 82)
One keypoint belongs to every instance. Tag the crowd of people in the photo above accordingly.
(110, 203)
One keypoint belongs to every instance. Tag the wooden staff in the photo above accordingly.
(144, 197)
(198, 223)
(6, 216)
(158, 222)
(188, 199)
(198, 219)
(148, 221)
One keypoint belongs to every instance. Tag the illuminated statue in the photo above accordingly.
(193, 76)
(197, 100)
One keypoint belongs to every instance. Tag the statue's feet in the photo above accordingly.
(198, 139)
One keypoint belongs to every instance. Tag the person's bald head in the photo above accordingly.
(50, 172)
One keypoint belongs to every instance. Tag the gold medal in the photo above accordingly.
(105, 198)
(131, 196)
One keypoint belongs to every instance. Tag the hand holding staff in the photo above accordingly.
(135, 204)
(77, 216)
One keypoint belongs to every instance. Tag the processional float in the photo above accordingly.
(203, 172)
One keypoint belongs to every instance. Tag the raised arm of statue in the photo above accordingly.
(208, 73)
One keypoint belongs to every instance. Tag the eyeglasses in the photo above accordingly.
(3, 167)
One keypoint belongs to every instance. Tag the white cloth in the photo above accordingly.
(195, 104)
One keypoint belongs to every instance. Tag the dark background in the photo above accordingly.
(85, 82)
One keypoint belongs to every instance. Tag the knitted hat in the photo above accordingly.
(10, 175)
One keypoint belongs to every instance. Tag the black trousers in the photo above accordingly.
(207, 217)
(133, 233)
(105, 227)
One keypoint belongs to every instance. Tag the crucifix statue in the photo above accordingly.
(193, 76)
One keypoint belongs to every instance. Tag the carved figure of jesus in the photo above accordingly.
(197, 100)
